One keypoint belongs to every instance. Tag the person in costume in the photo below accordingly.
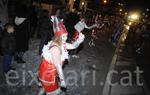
(79, 27)
(50, 72)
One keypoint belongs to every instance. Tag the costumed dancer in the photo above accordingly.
(94, 35)
(50, 72)
(79, 27)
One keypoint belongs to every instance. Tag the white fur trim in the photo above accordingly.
(46, 52)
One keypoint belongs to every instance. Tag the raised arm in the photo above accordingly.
(90, 27)
(76, 43)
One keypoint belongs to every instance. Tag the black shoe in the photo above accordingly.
(63, 89)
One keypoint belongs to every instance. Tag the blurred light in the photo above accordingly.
(123, 37)
(120, 4)
(73, 10)
(130, 23)
(134, 16)
(146, 15)
(74, 0)
(120, 10)
(125, 13)
(82, 3)
(147, 9)
(105, 1)
(143, 13)
(143, 20)
(128, 28)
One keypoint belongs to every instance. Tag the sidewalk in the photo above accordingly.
(122, 79)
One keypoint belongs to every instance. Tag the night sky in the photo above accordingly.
(130, 4)
(137, 4)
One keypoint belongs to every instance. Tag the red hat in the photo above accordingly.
(58, 26)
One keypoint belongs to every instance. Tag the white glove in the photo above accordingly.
(63, 84)
(61, 75)
(81, 38)
(78, 41)
(95, 25)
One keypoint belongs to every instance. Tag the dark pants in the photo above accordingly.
(7, 59)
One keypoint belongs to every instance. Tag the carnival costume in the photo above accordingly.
(51, 75)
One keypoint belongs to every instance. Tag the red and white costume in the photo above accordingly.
(49, 72)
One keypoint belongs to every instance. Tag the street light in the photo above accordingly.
(134, 16)
(82, 3)
(120, 10)
(105, 1)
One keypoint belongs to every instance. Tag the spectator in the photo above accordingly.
(8, 47)
(45, 30)
(22, 31)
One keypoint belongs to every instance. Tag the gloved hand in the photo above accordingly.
(81, 38)
(63, 84)
(61, 75)
(95, 25)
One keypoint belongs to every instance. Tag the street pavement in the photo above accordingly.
(127, 75)
(84, 76)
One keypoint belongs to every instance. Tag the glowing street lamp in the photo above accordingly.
(120, 10)
(82, 3)
(134, 16)
(105, 1)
